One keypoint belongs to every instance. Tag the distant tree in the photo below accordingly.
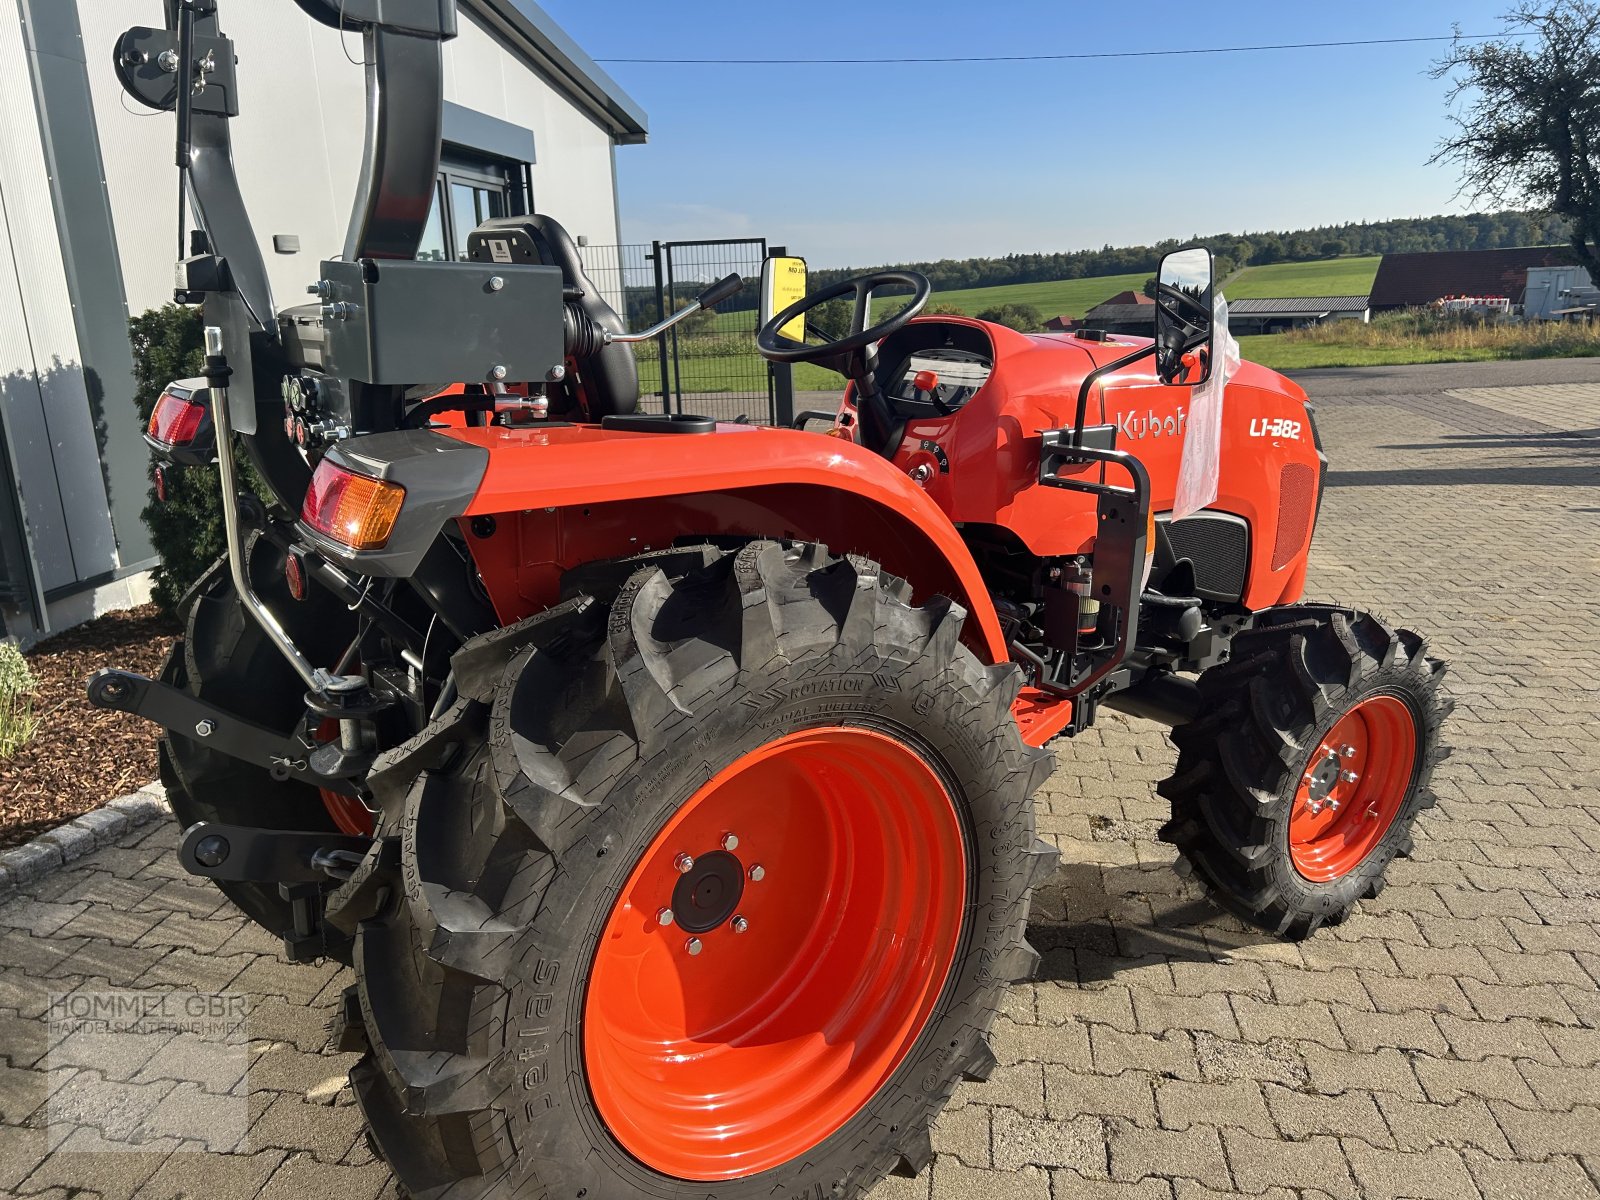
(1022, 317)
(1333, 247)
(1530, 127)
(1149, 288)
(943, 308)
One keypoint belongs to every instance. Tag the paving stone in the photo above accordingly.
(1466, 1123)
(1317, 1163)
(1558, 1179)
(1301, 1115)
(1543, 1134)
(1447, 1080)
(1239, 1103)
(1195, 1153)
(953, 1181)
(1023, 1141)
(1437, 1174)
(963, 1133)
(1070, 1094)
(1334, 1071)
(86, 1162)
(301, 1175)
(190, 1175)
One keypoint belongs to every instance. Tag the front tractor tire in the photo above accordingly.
(716, 894)
(1302, 779)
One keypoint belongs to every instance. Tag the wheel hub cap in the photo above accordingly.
(707, 895)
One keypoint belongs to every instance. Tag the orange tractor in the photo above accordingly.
(668, 783)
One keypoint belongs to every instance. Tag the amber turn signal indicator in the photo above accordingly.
(354, 510)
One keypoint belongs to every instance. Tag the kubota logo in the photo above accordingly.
(1152, 424)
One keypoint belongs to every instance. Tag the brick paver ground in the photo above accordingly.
(1443, 1043)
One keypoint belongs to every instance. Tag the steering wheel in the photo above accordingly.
(777, 348)
(1188, 319)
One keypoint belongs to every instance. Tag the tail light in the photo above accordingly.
(177, 419)
(354, 510)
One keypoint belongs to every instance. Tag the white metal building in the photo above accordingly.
(88, 229)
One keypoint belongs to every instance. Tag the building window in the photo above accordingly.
(471, 190)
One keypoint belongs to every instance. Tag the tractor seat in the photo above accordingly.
(605, 383)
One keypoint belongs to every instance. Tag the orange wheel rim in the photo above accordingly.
(1352, 788)
(825, 930)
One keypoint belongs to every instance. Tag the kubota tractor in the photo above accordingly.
(667, 782)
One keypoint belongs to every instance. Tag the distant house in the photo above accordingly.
(1126, 312)
(1063, 324)
(1295, 312)
(1413, 280)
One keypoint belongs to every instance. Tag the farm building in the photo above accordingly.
(1126, 312)
(88, 203)
(1278, 315)
(1413, 280)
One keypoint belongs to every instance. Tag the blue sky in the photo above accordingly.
(858, 165)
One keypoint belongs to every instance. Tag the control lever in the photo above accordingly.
(710, 298)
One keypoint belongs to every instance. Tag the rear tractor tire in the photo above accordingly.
(711, 890)
(1302, 780)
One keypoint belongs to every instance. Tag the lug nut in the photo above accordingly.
(693, 946)
(740, 925)
(1349, 776)
(1315, 806)
(684, 863)
(757, 873)
(730, 841)
(1347, 751)
(664, 916)
(205, 728)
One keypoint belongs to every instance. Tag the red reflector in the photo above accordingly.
(925, 381)
(159, 478)
(175, 421)
(352, 509)
(294, 574)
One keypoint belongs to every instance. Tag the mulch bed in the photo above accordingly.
(82, 757)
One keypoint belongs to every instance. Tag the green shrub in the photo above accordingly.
(18, 721)
(169, 344)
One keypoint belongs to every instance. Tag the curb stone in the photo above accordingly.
(53, 849)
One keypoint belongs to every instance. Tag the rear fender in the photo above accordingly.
(560, 497)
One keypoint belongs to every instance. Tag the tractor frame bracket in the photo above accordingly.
(207, 725)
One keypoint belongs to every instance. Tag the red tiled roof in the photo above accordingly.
(1126, 298)
(1405, 280)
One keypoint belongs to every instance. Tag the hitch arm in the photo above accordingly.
(181, 713)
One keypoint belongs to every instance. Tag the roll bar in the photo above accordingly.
(188, 68)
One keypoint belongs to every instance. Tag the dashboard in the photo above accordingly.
(960, 356)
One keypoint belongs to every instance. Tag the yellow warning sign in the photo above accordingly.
(783, 282)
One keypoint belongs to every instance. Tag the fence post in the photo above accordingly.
(661, 315)
(781, 374)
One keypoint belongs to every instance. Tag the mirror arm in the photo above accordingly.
(1094, 377)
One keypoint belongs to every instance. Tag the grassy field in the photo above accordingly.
(1325, 277)
(1403, 338)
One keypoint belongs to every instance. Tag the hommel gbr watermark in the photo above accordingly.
(140, 1070)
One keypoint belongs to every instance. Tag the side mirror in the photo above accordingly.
(1184, 316)
(783, 282)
